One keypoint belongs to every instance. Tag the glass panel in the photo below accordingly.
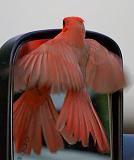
(35, 131)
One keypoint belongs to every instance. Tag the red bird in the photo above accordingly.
(67, 63)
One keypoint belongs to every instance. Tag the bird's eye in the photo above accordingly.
(63, 23)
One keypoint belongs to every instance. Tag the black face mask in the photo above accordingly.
(63, 23)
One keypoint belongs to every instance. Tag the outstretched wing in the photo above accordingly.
(52, 64)
(30, 46)
(104, 72)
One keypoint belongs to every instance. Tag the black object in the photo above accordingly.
(8, 53)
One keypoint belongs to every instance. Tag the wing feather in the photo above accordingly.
(104, 72)
(53, 64)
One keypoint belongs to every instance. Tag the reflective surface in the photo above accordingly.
(76, 152)
(63, 155)
(73, 152)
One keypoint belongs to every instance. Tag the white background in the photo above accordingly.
(114, 18)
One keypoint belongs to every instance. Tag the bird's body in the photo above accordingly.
(68, 63)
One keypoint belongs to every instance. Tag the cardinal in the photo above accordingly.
(67, 63)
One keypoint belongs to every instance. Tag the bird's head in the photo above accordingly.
(73, 23)
(74, 31)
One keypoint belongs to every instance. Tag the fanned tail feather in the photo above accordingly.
(34, 115)
(51, 135)
(79, 119)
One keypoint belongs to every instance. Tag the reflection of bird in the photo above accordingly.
(70, 63)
